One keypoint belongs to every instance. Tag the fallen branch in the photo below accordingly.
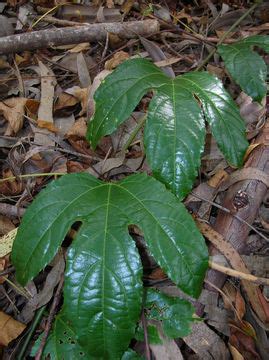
(75, 35)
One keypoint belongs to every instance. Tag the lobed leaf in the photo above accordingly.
(175, 129)
(246, 67)
(103, 278)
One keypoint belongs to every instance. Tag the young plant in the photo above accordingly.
(103, 287)
(175, 129)
(246, 67)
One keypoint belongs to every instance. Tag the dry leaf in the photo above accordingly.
(81, 95)
(47, 125)
(6, 225)
(65, 100)
(240, 305)
(45, 111)
(116, 60)
(10, 329)
(6, 242)
(13, 111)
(80, 47)
(79, 129)
(235, 353)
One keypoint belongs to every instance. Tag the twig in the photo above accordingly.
(36, 321)
(224, 36)
(134, 133)
(11, 211)
(74, 35)
(52, 312)
(30, 175)
(238, 274)
(144, 325)
(224, 209)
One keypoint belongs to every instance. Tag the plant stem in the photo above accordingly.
(30, 175)
(36, 321)
(135, 132)
(144, 325)
(224, 36)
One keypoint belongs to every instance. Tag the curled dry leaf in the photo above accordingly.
(13, 111)
(47, 125)
(10, 329)
(116, 60)
(81, 95)
(78, 130)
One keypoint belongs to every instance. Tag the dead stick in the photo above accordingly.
(53, 309)
(75, 35)
(238, 274)
(11, 211)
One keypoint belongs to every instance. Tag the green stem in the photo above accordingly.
(135, 132)
(224, 36)
(31, 331)
(30, 175)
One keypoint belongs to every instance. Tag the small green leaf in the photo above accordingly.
(246, 67)
(131, 355)
(176, 315)
(119, 94)
(153, 335)
(61, 343)
(103, 279)
(175, 128)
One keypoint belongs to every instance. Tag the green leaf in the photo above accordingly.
(153, 335)
(175, 314)
(119, 94)
(103, 278)
(61, 343)
(246, 67)
(175, 129)
(131, 355)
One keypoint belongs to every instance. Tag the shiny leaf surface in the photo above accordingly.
(176, 315)
(246, 67)
(103, 278)
(175, 129)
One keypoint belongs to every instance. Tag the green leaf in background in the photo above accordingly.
(61, 343)
(153, 335)
(175, 129)
(176, 315)
(103, 287)
(246, 66)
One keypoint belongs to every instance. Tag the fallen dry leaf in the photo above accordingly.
(45, 111)
(6, 242)
(6, 225)
(81, 95)
(47, 125)
(64, 101)
(80, 47)
(78, 130)
(116, 60)
(10, 329)
(13, 112)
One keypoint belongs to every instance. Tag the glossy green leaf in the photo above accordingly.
(176, 315)
(119, 94)
(246, 67)
(61, 343)
(103, 277)
(131, 355)
(153, 334)
(175, 129)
